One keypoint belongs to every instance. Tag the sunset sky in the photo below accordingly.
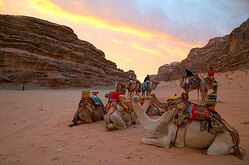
(140, 35)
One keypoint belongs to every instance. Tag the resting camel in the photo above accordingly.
(116, 116)
(153, 109)
(195, 86)
(162, 132)
(211, 86)
(87, 113)
(150, 87)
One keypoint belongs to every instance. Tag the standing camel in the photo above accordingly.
(149, 87)
(133, 88)
(120, 88)
(138, 86)
(211, 85)
(195, 86)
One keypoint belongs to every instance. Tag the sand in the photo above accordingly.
(33, 129)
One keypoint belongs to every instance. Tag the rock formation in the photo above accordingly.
(39, 53)
(230, 52)
(164, 72)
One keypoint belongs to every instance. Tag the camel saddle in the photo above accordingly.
(186, 111)
(96, 101)
(211, 81)
(192, 80)
(145, 84)
(126, 104)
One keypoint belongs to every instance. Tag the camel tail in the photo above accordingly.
(239, 152)
(72, 125)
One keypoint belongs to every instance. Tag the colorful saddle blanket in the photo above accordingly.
(194, 80)
(212, 81)
(144, 85)
(192, 111)
(96, 100)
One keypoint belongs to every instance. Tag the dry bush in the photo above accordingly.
(246, 72)
(229, 83)
(230, 78)
(226, 74)
(241, 86)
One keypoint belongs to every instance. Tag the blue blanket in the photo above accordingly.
(96, 100)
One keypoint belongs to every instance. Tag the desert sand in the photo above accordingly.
(33, 129)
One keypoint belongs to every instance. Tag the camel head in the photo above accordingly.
(107, 95)
(154, 84)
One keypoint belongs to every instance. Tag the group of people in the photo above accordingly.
(146, 79)
(189, 74)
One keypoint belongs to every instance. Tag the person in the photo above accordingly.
(131, 79)
(210, 74)
(188, 75)
(147, 78)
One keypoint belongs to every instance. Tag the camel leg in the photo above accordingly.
(162, 142)
(86, 119)
(151, 136)
(222, 145)
(117, 122)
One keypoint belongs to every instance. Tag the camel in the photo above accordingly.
(131, 87)
(149, 88)
(116, 116)
(87, 113)
(211, 86)
(153, 109)
(195, 86)
(120, 88)
(138, 86)
(165, 106)
(163, 132)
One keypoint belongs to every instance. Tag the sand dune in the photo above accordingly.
(33, 128)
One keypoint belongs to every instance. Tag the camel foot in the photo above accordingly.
(72, 125)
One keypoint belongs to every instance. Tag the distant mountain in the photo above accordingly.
(230, 52)
(38, 53)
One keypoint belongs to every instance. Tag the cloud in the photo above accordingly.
(144, 49)
(193, 22)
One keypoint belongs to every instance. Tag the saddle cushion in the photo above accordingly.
(199, 112)
(144, 86)
(96, 100)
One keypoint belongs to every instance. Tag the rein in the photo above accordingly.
(109, 107)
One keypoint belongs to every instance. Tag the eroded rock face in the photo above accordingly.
(165, 71)
(230, 52)
(39, 53)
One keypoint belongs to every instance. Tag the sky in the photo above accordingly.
(139, 35)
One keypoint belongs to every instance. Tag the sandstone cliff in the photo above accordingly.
(165, 71)
(230, 52)
(39, 53)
